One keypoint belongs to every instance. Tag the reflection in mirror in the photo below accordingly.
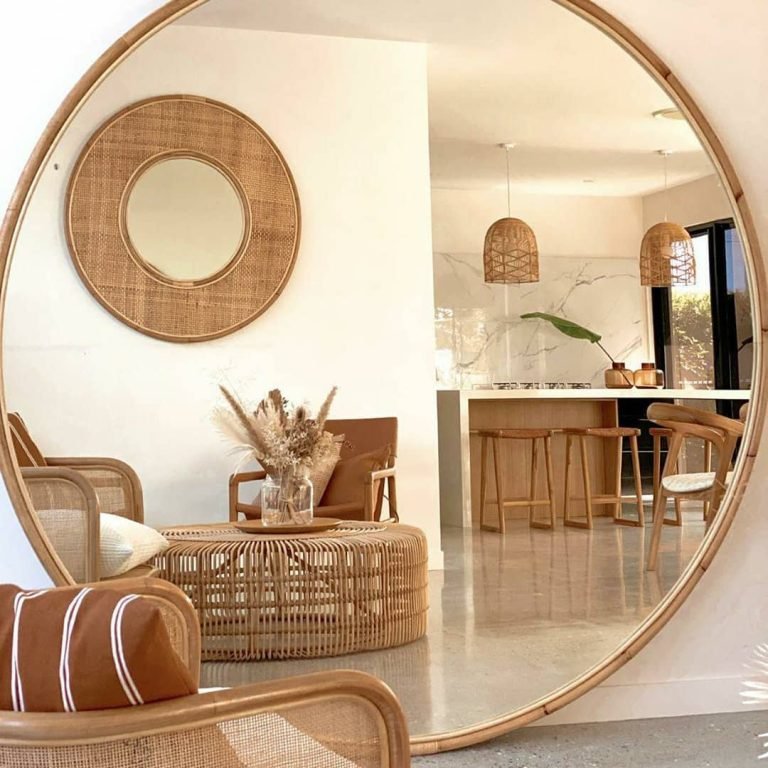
(518, 607)
(184, 218)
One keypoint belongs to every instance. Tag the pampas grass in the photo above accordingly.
(280, 438)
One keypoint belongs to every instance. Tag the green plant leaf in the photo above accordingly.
(574, 330)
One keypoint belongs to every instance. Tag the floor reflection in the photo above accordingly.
(511, 618)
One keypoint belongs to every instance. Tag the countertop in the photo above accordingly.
(598, 394)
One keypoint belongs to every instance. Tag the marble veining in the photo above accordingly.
(481, 338)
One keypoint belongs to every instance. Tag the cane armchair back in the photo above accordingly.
(323, 720)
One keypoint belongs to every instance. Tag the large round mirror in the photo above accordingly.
(525, 450)
(185, 219)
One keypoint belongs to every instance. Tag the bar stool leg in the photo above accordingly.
(640, 520)
(550, 481)
(483, 479)
(548, 524)
(617, 507)
(587, 481)
(567, 519)
(499, 491)
(638, 481)
(656, 467)
(534, 473)
(567, 482)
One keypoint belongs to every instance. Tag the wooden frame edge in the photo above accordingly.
(132, 253)
(656, 68)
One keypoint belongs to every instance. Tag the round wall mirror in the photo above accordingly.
(185, 219)
(392, 114)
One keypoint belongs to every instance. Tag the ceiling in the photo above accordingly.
(524, 71)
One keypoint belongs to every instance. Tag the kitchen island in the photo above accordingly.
(461, 411)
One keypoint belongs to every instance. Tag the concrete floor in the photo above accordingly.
(511, 618)
(719, 741)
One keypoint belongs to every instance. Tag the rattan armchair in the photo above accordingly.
(323, 720)
(68, 494)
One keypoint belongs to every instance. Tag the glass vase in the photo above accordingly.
(619, 377)
(286, 499)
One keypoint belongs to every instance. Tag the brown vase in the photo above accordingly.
(649, 377)
(619, 377)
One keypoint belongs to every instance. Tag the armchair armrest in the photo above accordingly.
(235, 481)
(116, 483)
(322, 720)
(67, 510)
(178, 613)
(371, 486)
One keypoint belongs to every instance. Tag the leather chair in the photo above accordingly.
(356, 489)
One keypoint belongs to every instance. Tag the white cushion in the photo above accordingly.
(692, 482)
(124, 544)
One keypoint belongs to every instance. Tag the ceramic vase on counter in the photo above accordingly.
(619, 377)
(649, 377)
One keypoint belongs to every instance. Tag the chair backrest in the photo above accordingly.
(24, 447)
(686, 422)
(744, 412)
(683, 414)
(365, 435)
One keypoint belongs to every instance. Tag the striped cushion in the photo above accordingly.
(692, 482)
(73, 649)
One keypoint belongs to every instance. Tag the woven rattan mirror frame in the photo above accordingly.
(125, 146)
(554, 701)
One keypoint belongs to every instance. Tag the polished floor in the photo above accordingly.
(511, 618)
(714, 741)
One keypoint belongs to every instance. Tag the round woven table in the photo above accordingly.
(359, 587)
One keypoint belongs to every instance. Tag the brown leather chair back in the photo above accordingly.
(365, 435)
(24, 447)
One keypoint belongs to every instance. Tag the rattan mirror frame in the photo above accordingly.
(237, 188)
(674, 599)
(125, 146)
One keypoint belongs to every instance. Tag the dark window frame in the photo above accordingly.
(724, 341)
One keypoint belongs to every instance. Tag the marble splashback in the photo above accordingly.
(481, 338)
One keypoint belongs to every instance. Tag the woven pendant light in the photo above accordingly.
(510, 254)
(666, 253)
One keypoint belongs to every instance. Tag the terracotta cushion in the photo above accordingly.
(347, 483)
(27, 452)
(74, 649)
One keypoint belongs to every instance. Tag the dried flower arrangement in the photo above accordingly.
(282, 438)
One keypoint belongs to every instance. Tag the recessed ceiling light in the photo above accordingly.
(671, 113)
(588, 181)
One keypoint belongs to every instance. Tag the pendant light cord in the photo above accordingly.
(666, 190)
(509, 204)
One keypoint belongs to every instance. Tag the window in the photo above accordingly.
(703, 332)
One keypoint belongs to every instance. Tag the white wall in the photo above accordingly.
(697, 202)
(588, 250)
(350, 116)
(695, 664)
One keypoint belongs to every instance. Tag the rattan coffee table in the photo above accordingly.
(359, 587)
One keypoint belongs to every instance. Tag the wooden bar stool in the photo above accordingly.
(590, 499)
(491, 440)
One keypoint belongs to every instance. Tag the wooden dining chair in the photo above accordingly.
(683, 422)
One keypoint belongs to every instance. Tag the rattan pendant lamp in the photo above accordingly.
(666, 253)
(510, 254)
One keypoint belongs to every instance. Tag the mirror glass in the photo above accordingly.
(391, 115)
(185, 219)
